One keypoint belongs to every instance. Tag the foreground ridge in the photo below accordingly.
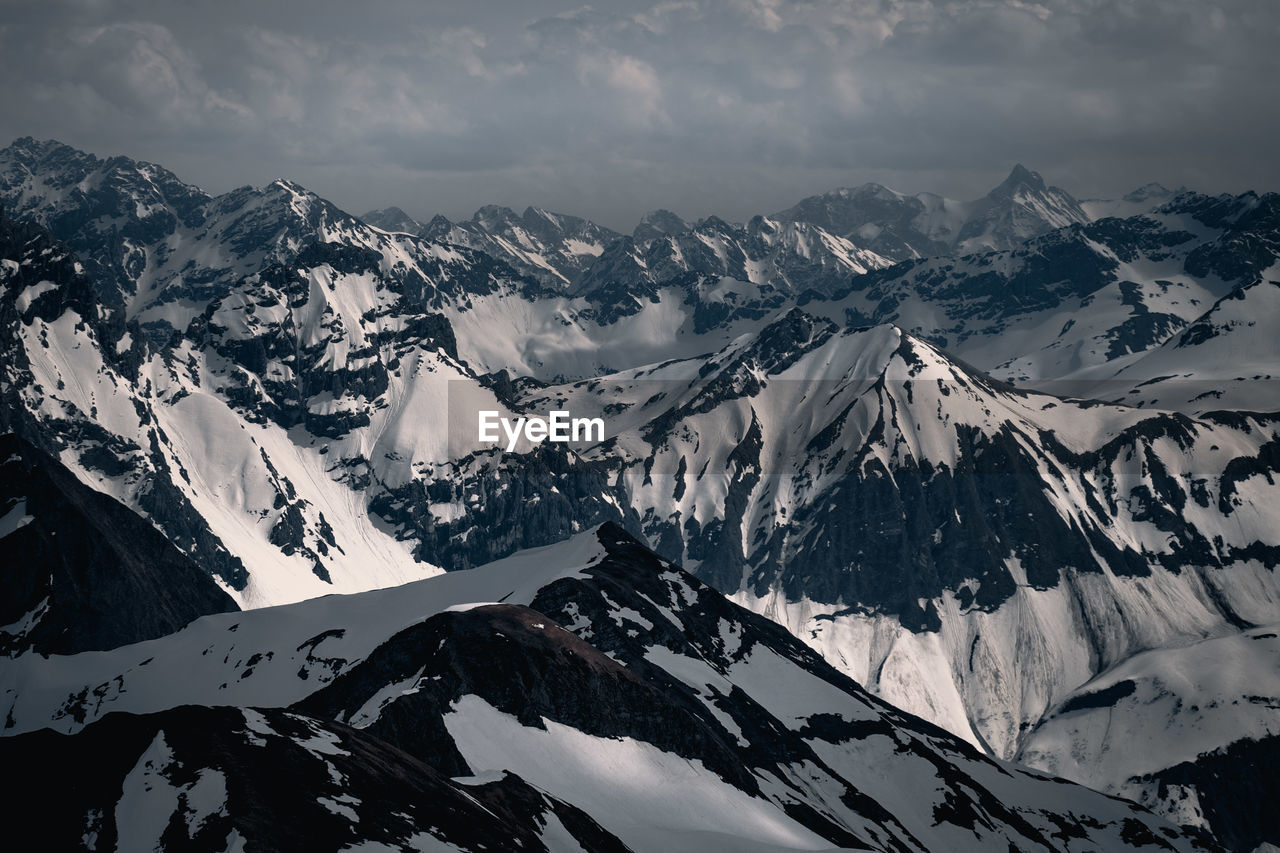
(612, 701)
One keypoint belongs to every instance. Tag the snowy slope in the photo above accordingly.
(1225, 359)
(673, 718)
(152, 432)
(1142, 200)
(223, 779)
(1187, 731)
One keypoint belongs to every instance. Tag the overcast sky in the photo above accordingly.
(728, 106)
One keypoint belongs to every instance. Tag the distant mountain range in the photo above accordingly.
(820, 240)
(994, 461)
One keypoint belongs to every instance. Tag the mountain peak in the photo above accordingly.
(491, 213)
(438, 228)
(1149, 191)
(42, 148)
(1020, 175)
(290, 188)
(871, 189)
(391, 219)
(659, 223)
(714, 223)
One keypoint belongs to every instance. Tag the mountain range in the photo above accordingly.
(1002, 464)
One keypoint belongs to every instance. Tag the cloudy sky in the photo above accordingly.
(611, 109)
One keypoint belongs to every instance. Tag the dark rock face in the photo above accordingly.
(888, 538)
(111, 210)
(85, 571)
(1235, 787)
(525, 501)
(35, 257)
(1250, 240)
(526, 666)
(196, 778)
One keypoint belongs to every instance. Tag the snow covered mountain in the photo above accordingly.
(617, 274)
(1225, 359)
(1022, 206)
(611, 702)
(291, 441)
(392, 219)
(220, 778)
(968, 551)
(657, 224)
(1075, 303)
(163, 249)
(277, 389)
(895, 509)
(782, 258)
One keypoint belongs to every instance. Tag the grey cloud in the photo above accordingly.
(726, 106)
